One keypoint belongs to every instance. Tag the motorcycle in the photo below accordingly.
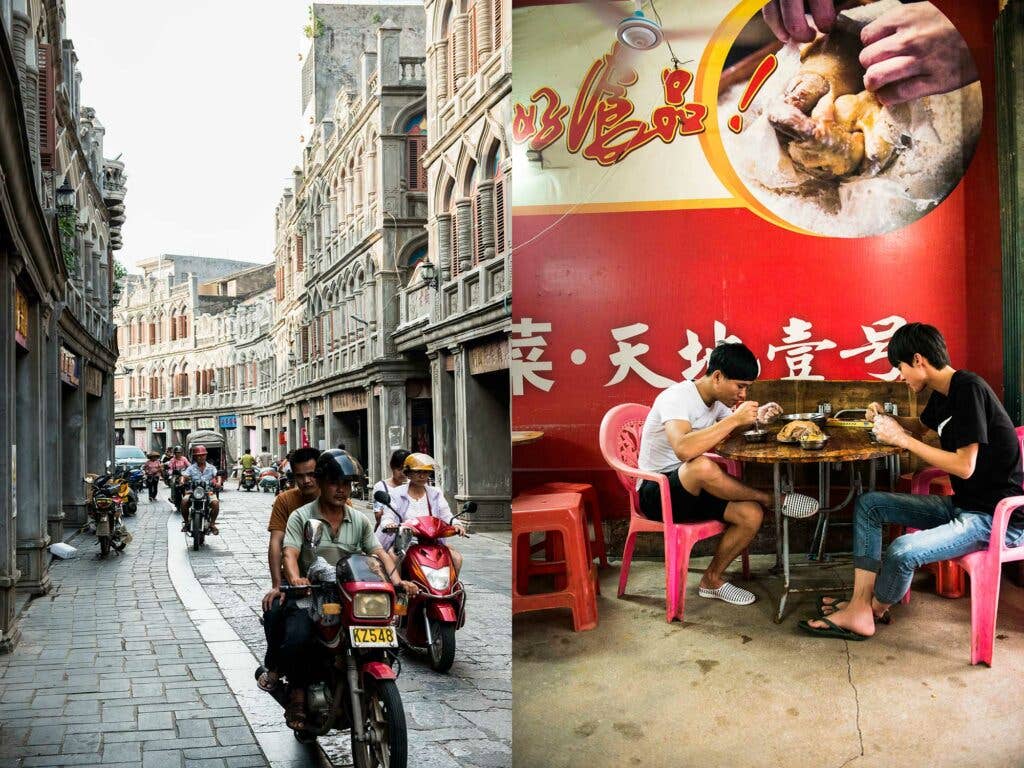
(352, 607)
(248, 479)
(268, 481)
(129, 498)
(104, 510)
(136, 478)
(176, 488)
(427, 621)
(199, 515)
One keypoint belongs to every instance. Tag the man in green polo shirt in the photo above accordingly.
(347, 531)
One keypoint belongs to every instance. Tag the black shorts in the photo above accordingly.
(686, 508)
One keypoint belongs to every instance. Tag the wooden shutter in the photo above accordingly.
(456, 262)
(47, 123)
(472, 68)
(152, 333)
(415, 147)
(298, 254)
(478, 229)
(496, 24)
(304, 343)
(500, 222)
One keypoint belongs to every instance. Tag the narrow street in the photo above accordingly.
(133, 662)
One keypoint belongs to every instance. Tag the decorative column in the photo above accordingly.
(460, 38)
(442, 400)
(485, 192)
(440, 55)
(9, 573)
(51, 415)
(484, 26)
(464, 231)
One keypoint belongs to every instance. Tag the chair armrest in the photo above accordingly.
(1000, 521)
(921, 483)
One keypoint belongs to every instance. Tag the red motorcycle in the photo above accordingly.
(428, 620)
(354, 686)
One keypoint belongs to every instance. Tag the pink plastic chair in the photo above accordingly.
(984, 566)
(620, 433)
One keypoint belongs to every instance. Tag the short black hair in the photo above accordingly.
(734, 360)
(398, 458)
(918, 339)
(301, 455)
(265, 449)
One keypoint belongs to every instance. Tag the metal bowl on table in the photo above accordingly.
(813, 442)
(816, 418)
(755, 435)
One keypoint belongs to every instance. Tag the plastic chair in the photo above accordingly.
(984, 566)
(591, 508)
(560, 513)
(621, 429)
(950, 581)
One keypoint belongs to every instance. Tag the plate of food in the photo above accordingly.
(794, 431)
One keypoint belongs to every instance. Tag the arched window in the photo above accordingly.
(415, 146)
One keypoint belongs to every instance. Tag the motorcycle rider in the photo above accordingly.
(348, 531)
(305, 491)
(418, 499)
(266, 458)
(153, 468)
(391, 484)
(201, 470)
(179, 462)
(248, 461)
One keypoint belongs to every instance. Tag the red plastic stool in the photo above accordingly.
(591, 508)
(949, 577)
(559, 513)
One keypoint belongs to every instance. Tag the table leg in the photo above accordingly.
(777, 493)
(871, 475)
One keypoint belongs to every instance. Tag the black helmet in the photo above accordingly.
(336, 465)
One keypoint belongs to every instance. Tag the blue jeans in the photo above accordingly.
(945, 532)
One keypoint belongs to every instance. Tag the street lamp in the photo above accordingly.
(428, 273)
(65, 199)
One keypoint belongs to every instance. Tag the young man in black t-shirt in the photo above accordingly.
(980, 451)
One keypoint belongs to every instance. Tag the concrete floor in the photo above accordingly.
(731, 689)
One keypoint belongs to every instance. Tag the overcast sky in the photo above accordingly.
(202, 99)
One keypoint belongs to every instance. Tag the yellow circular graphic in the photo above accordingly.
(795, 134)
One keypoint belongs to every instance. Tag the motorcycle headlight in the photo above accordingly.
(371, 605)
(437, 578)
(199, 492)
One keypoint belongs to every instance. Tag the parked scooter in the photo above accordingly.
(104, 510)
(199, 515)
(248, 479)
(352, 605)
(129, 497)
(428, 620)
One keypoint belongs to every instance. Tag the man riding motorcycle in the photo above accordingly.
(180, 463)
(200, 471)
(418, 499)
(348, 531)
(247, 461)
(153, 469)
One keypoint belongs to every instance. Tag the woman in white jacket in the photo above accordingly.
(418, 499)
(391, 485)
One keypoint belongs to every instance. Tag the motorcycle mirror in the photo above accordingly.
(469, 508)
(382, 497)
(313, 532)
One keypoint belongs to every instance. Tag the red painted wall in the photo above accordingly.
(682, 270)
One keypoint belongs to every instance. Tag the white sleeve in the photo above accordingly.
(675, 405)
(380, 486)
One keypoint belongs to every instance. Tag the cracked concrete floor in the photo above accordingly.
(731, 689)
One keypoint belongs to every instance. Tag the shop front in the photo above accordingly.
(349, 423)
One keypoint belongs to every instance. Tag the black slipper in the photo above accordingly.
(831, 631)
(885, 618)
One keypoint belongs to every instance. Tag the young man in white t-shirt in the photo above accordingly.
(689, 419)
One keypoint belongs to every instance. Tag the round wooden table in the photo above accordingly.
(847, 444)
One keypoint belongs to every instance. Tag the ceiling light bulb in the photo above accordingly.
(639, 32)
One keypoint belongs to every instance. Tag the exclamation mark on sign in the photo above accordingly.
(761, 74)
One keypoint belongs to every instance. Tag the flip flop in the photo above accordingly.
(885, 618)
(268, 681)
(831, 631)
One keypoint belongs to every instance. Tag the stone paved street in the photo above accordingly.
(463, 718)
(112, 670)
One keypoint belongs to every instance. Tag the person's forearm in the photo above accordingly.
(389, 566)
(274, 560)
(700, 441)
(291, 565)
(913, 425)
(956, 464)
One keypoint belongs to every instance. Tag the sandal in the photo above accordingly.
(213, 530)
(831, 631)
(295, 713)
(268, 681)
(885, 618)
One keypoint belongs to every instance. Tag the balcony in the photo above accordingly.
(486, 282)
(415, 304)
(413, 70)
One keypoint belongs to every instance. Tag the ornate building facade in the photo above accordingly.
(61, 209)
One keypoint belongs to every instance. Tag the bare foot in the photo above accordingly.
(829, 605)
(861, 621)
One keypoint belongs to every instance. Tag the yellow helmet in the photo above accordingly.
(422, 462)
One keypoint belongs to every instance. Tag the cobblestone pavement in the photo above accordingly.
(463, 718)
(111, 671)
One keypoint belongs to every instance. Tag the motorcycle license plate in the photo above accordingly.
(373, 637)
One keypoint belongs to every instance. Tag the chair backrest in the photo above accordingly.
(619, 438)
(1020, 438)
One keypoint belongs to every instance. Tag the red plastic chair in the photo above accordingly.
(621, 429)
(984, 566)
(561, 513)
